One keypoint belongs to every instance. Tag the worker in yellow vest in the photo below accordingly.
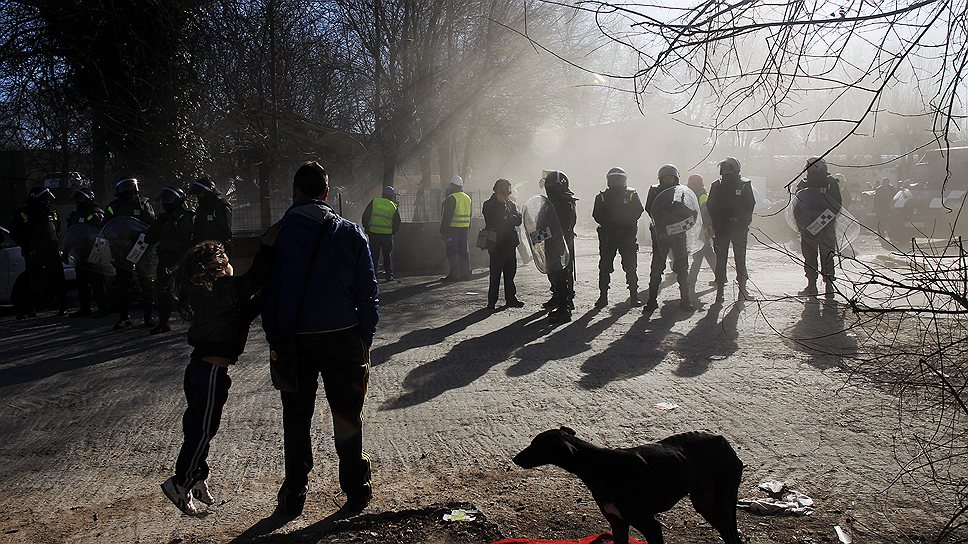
(455, 223)
(381, 220)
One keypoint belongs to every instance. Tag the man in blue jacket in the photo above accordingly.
(335, 298)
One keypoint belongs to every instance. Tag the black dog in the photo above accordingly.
(632, 485)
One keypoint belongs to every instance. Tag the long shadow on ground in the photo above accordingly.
(822, 334)
(642, 348)
(708, 338)
(425, 337)
(467, 361)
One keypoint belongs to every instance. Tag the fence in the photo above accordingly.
(410, 212)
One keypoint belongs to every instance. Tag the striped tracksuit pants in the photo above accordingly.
(206, 389)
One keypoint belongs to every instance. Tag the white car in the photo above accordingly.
(12, 265)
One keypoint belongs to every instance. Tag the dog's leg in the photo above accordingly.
(651, 529)
(719, 510)
(620, 529)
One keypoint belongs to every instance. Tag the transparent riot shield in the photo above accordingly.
(677, 222)
(79, 243)
(125, 243)
(544, 235)
(813, 214)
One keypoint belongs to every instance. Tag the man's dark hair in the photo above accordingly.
(311, 179)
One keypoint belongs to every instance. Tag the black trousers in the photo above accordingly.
(661, 247)
(824, 246)
(382, 244)
(502, 260)
(90, 287)
(343, 361)
(128, 282)
(624, 244)
(735, 235)
(45, 275)
(163, 291)
(563, 281)
(206, 389)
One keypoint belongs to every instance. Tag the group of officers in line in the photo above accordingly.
(687, 222)
(36, 228)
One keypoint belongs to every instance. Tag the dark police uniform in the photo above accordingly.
(140, 209)
(563, 281)
(824, 243)
(90, 284)
(213, 220)
(730, 206)
(617, 211)
(503, 218)
(35, 229)
(172, 235)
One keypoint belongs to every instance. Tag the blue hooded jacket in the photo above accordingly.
(342, 288)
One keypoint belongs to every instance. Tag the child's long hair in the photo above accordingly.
(198, 268)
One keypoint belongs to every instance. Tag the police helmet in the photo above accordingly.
(730, 165)
(617, 177)
(668, 170)
(202, 185)
(816, 164)
(556, 179)
(127, 186)
(171, 195)
(38, 194)
(83, 196)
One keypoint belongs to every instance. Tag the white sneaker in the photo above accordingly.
(200, 492)
(179, 496)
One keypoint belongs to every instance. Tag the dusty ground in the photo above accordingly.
(90, 419)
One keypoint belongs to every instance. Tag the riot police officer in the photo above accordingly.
(90, 282)
(730, 204)
(823, 243)
(617, 211)
(35, 229)
(129, 203)
(172, 236)
(670, 214)
(562, 281)
(213, 215)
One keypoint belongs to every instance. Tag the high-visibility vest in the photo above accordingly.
(462, 210)
(381, 216)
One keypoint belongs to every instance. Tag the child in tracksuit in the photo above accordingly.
(221, 307)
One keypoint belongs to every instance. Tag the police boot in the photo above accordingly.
(634, 296)
(809, 290)
(719, 293)
(744, 295)
(602, 300)
(684, 298)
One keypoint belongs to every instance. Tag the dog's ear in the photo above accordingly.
(567, 430)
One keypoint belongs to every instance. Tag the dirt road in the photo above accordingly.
(90, 417)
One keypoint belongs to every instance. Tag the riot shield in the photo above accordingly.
(79, 242)
(544, 235)
(677, 222)
(126, 246)
(812, 214)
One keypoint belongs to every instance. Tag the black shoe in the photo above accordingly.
(602, 301)
(357, 503)
(83, 312)
(122, 323)
(650, 306)
(291, 500)
(634, 298)
(515, 303)
(62, 313)
(491, 307)
(449, 278)
(161, 328)
(21, 317)
(551, 302)
(559, 316)
(686, 305)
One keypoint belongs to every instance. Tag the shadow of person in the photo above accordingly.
(425, 337)
(389, 296)
(568, 341)
(259, 532)
(467, 361)
(637, 352)
(822, 334)
(708, 338)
